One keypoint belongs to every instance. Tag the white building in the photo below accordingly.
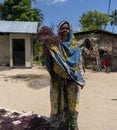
(16, 43)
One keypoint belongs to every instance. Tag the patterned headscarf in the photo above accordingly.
(61, 24)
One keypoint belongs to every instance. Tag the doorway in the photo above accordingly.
(18, 51)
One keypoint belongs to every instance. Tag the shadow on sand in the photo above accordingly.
(33, 81)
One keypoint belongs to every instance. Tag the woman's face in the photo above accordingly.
(64, 32)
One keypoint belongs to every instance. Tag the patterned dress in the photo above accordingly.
(63, 65)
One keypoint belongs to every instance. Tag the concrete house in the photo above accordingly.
(100, 40)
(16, 43)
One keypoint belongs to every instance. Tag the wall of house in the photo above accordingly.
(103, 41)
(28, 51)
(4, 50)
(114, 56)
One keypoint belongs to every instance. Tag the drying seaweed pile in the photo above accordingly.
(13, 120)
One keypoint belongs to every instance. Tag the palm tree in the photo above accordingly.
(113, 19)
(109, 4)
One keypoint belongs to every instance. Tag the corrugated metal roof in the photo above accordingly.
(18, 27)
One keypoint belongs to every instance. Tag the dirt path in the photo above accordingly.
(28, 90)
(98, 108)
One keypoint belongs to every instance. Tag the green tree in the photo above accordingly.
(113, 19)
(93, 20)
(20, 10)
(37, 50)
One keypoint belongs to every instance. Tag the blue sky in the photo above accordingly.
(55, 11)
(71, 10)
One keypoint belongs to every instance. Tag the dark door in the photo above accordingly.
(18, 52)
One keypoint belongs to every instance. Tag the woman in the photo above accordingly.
(63, 63)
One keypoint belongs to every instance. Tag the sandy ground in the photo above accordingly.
(28, 90)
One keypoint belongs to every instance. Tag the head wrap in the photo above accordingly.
(61, 24)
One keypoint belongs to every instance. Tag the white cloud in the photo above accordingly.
(54, 1)
(58, 1)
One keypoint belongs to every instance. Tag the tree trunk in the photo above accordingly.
(109, 6)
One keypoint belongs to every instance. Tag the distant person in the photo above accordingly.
(106, 60)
